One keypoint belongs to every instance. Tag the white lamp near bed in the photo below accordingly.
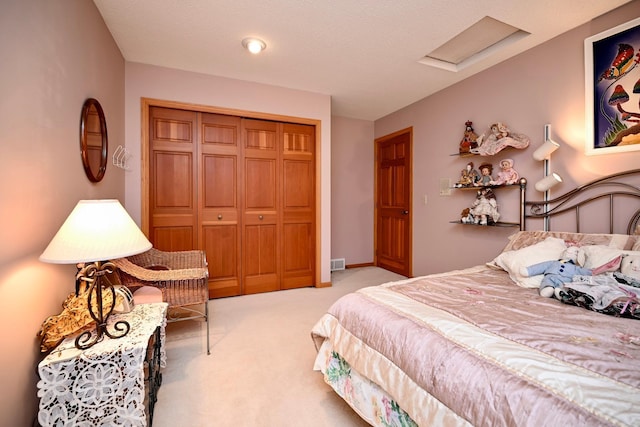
(543, 153)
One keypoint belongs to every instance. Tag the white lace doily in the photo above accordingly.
(104, 384)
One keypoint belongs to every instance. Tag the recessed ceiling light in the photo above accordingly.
(254, 45)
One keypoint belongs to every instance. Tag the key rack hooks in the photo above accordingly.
(121, 158)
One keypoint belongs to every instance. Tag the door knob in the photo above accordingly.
(405, 212)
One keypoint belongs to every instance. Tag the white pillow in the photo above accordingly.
(512, 261)
(593, 256)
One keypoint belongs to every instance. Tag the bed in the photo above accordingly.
(480, 347)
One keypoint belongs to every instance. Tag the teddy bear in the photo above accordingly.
(466, 217)
(556, 272)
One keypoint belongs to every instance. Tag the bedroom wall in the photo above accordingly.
(147, 81)
(54, 56)
(352, 162)
(542, 85)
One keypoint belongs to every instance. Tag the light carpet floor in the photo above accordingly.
(259, 372)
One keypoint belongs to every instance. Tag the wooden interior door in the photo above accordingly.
(261, 222)
(393, 219)
(298, 206)
(172, 171)
(219, 202)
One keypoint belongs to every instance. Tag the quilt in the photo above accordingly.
(470, 347)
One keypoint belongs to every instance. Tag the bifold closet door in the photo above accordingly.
(298, 206)
(219, 202)
(173, 218)
(261, 219)
(242, 190)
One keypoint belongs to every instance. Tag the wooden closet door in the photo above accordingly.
(172, 205)
(298, 206)
(261, 190)
(219, 202)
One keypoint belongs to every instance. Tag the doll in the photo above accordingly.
(507, 174)
(499, 138)
(485, 208)
(468, 176)
(486, 169)
(557, 273)
(469, 140)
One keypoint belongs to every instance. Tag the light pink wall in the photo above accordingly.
(146, 81)
(54, 56)
(352, 190)
(543, 85)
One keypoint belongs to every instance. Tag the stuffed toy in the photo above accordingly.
(616, 293)
(556, 273)
(629, 273)
(466, 217)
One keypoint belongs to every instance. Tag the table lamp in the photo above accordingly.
(95, 232)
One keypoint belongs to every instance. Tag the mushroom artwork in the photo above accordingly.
(623, 123)
(629, 135)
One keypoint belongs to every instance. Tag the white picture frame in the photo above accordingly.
(612, 70)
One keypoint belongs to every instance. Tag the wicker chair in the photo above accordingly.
(181, 276)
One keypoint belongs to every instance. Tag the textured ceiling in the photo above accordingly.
(364, 53)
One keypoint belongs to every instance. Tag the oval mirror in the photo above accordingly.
(93, 140)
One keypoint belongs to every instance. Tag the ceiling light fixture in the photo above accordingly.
(254, 45)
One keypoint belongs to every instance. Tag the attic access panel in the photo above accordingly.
(480, 40)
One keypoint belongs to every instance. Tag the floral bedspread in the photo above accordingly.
(472, 348)
(364, 396)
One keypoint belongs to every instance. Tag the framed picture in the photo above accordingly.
(612, 90)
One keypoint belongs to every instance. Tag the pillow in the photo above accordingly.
(596, 255)
(512, 261)
(523, 239)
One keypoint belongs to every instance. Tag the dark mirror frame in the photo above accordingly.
(89, 168)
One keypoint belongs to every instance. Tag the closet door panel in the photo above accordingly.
(259, 267)
(298, 206)
(219, 202)
(260, 219)
(173, 211)
(220, 242)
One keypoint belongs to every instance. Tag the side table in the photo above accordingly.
(105, 384)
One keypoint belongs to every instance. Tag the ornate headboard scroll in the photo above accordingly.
(622, 185)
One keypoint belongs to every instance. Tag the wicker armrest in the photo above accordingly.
(154, 258)
(147, 275)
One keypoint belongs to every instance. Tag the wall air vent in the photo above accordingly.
(477, 42)
(337, 264)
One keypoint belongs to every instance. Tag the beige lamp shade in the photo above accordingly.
(547, 182)
(96, 230)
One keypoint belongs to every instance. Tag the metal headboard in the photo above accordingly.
(608, 187)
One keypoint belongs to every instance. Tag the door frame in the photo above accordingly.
(409, 177)
(147, 103)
